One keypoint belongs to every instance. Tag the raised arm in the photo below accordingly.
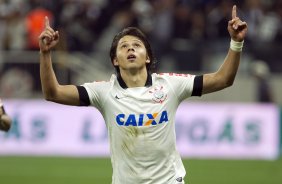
(225, 75)
(52, 90)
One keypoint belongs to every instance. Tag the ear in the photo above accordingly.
(115, 62)
(148, 60)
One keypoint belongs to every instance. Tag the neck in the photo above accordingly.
(134, 79)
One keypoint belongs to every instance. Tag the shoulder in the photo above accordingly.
(100, 84)
(173, 76)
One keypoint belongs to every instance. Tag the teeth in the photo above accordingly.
(131, 56)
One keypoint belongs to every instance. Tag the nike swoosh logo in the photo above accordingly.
(180, 179)
(120, 96)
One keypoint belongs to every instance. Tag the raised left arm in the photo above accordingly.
(225, 75)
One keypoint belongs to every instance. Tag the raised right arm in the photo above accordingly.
(52, 90)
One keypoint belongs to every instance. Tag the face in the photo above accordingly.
(131, 54)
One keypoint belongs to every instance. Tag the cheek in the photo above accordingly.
(143, 54)
(120, 54)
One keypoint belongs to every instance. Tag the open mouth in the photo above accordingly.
(131, 57)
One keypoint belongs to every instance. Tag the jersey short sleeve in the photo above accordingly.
(184, 85)
(97, 92)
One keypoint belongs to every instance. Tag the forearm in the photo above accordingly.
(48, 78)
(52, 90)
(225, 75)
(237, 30)
(229, 68)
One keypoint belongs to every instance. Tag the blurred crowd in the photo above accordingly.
(85, 25)
(186, 35)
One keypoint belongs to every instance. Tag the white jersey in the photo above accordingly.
(141, 127)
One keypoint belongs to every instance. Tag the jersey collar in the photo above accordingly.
(124, 86)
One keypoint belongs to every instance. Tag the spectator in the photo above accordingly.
(35, 24)
(261, 73)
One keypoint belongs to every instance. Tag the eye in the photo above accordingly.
(137, 45)
(124, 46)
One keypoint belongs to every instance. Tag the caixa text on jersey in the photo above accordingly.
(149, 119)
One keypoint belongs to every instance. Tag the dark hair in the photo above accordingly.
(133, 31)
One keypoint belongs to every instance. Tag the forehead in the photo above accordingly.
(129, 38)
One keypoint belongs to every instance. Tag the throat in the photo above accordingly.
(131, 81)
(136, 81)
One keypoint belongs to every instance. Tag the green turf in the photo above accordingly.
(42, 170)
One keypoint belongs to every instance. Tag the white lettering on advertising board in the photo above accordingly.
(204, 130)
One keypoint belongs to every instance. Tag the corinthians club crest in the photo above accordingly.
(159, 95)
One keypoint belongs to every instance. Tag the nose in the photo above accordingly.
(130, 48)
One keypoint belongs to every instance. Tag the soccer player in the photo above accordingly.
(139, 106)
(5, 120)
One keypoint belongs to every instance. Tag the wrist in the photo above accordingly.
(236, 46)
(44, 52)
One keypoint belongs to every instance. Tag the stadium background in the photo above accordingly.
(188, 36)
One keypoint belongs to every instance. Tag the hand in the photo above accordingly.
(49, 38)
(237, 28)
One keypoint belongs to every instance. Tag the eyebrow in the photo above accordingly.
(132, 40)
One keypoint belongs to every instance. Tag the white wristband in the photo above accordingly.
(236, 46)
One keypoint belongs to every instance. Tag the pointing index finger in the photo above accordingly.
(234, 12)
(47, 22)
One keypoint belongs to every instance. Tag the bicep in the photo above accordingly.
(212, 82)
(66, 94)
